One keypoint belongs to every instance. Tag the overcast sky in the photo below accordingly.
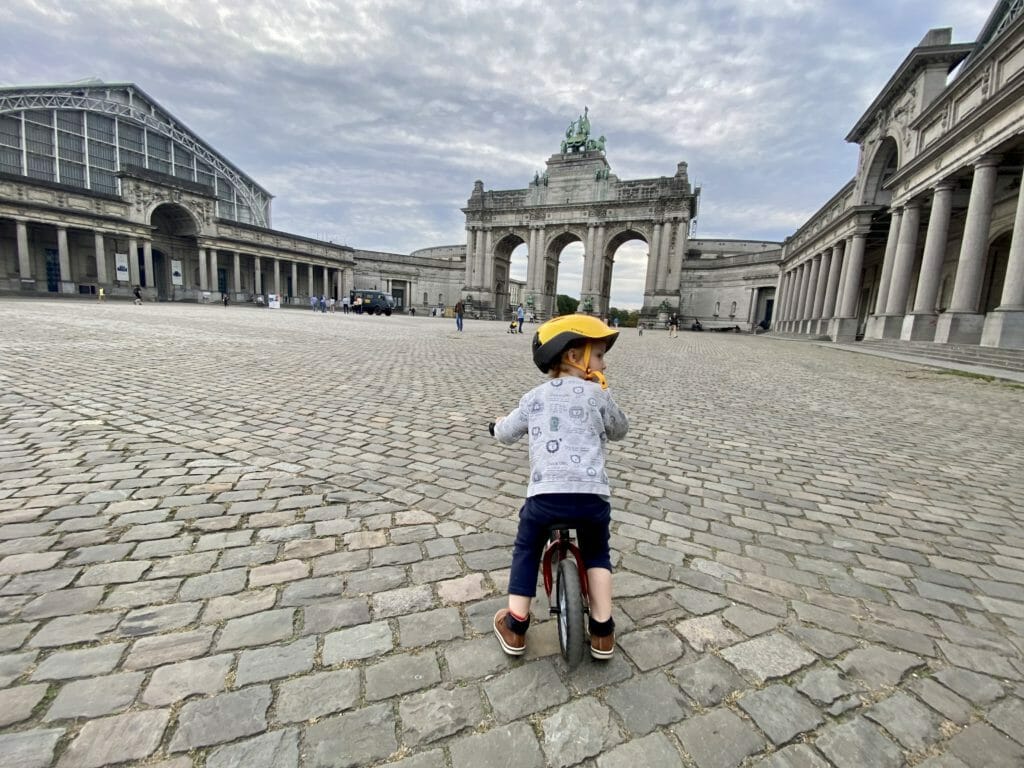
(369, 121)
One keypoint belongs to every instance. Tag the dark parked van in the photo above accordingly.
(374, 302)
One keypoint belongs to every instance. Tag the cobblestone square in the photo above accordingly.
(241, 537)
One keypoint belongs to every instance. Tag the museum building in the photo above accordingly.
(926, 242)
(103, 189)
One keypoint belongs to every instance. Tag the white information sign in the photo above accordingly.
(274, 300)
(176, 273)
(121, 267)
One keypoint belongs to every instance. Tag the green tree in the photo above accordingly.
(567, 304)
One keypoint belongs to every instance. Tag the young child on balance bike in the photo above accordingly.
(568, 420)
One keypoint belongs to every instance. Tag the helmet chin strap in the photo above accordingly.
(587, 373)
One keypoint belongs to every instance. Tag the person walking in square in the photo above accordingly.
(568, 419)
(673, 325)
(520, 316)
(459, 307)
(137, 292)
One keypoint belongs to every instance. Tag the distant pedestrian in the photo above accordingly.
(224, 298)
(459, 307)
(101, 296)
(138, 294)
(313, 302)
(323, 303)
(358, 305)
(640, 329)
(344, 305)
(673, 325)
(520, 316)
(330, 305)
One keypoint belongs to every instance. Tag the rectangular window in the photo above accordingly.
(39, 117)
(159, 152)
(101, 128)
(182, 162)
(204, 174)
(103, 181)
(102, 155)
(10, 132)
(10, 160)
(70, 147)
(41, 167)
(39, 139)
(72, 173)
(132, 159)
(69, 121)
(130, 137)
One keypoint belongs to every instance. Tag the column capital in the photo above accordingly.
(944, 186)
(987, 160)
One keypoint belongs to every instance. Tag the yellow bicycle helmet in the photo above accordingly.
(555, 336)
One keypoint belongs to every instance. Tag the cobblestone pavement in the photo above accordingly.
(240, 537)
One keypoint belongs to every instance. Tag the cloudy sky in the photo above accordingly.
(369, 121)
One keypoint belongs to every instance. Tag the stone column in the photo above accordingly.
(600, 300)
(587, 286)
(470, 250)
(488, 273)
(1004, 326)
(24, 258)
(963, 323)
(295, 281)
(478, 261)
(310, 270)
(327, 282)
(804, 308)
(835, 269)
(214, 264)
(891, 324)
(67, 285)
(651, 283)
(238, 273)
(679, 253)
(844, 326)
(813, 285)
(891, 244)
(147, 260)
(818, 309)
(785, 300)
(920, 324)
(258, 274)
(101, 258)
(133, 261)
(204, 274)
(663, 256)
(339, 285)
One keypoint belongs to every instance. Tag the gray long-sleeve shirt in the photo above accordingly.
(568, 421)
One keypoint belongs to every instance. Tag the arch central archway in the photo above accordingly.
(578, 199)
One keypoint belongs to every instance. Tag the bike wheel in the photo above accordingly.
(571, 638)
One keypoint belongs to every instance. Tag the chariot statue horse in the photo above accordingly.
(577, 135)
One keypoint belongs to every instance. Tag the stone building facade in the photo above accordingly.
(101, 188)
(926, 242)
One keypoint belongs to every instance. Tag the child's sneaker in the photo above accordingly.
(513, 643)
(602, 647)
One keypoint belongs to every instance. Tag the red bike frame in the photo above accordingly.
(556, 551)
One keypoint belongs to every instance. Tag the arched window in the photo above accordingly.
(426, 298)
(440, 298)
(732, 310)
(718, 304)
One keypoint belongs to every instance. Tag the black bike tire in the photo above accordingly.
(571, 637)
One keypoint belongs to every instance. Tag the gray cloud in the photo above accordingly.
(369, 121)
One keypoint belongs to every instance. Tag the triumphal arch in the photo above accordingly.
(577, 199)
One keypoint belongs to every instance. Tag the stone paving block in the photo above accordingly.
(768, 657)
(429, 627)
(214, 584)
(131, 736)
(718, 739)
(183, 565)
(142, 593)
(277, 573)
(942, 700)
(878, 667)
(653, 751)
(63, 602)
(221, 718)
(399, 602)
(749, 621)
(274, 749)
(708, 680)
(352, 740)
(980, 661)
(257, 629)
(907, 720)
(825, 685)
(527, 689)
(16, 704)
(978, 688)
(312, 591)
(427, 717)
(647, 701)
(314, 696)
(580, 729)
(821, 641)
(39, 582)
(30, 749)
(401, 674)
(707, 632)
(982, 745)
(946, 760)
(70, 630)
(325, 616)
(28, 562)
(475, 658)
(361, 642)
(14, 665)
(243, 604)
(12, 636)
(650, 648)
(95, 696)
(491, 748)
(161, 618)
(1008, 717)
(162, 649)
(173, 682)
(65, 665)
(781, 712)
(248, 556)
(858, 743)
(276, 661)
(375, 580)
(795, 756)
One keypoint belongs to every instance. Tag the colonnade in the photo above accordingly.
(141, 273)
(898, 312)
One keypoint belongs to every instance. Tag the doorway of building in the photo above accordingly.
(52, 270)
(160, 275)
(769, 306)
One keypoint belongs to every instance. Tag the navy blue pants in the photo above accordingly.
(588, 514)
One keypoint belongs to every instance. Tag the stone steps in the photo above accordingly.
(1008, 359)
